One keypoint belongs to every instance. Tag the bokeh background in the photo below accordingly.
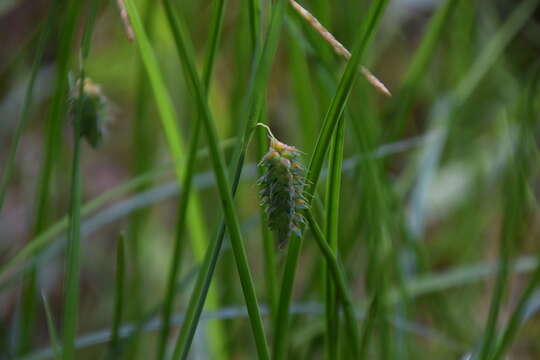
(450, 173)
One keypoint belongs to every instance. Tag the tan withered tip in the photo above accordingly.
(337, 46)
(125, 19)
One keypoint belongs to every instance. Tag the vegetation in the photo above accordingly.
(149, 211)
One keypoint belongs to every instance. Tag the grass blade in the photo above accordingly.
(29, 294)
(330, 122)
(186, 186)
(43, 37)
(73, 266)
(333, 191)
(52, 329)
(218, 164)
(340, 283)
(517, 317)
(115, 345)
(420, 62)
(260, 72)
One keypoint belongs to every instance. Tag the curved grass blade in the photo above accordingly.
(333, 191)
(115, 345)
(339, 281)
(57, 355)
(330, 122)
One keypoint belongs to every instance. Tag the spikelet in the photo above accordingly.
(95, 111)
(282, 190)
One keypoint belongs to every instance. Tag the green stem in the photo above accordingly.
(332, 226)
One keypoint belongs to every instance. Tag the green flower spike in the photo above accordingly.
(282, 189)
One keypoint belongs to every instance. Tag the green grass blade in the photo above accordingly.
(163, 101)
(185, 195)
(218, 164)
(56, 116)
(52, 329)
(144, 144)
(340, 283)
(494, 49)
(517, 317)
(71, 291)
(330, 122)
(333, 191)
(40, 242)
(73, 266)
(115, 345)
(43, 38)
(420, 62)
(254, 12)
(260, 73)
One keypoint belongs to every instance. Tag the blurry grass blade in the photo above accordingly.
(494, 48)
(42, 240)
(44, 35)
(420, 62)
(50, 152)
(52, 329)
(152, 324)
(164, 104)
(115, 346)
(254, 8)
(517, 317)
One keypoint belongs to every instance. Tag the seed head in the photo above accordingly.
(282, 190)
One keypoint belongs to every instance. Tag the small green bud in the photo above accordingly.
(94, 111)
